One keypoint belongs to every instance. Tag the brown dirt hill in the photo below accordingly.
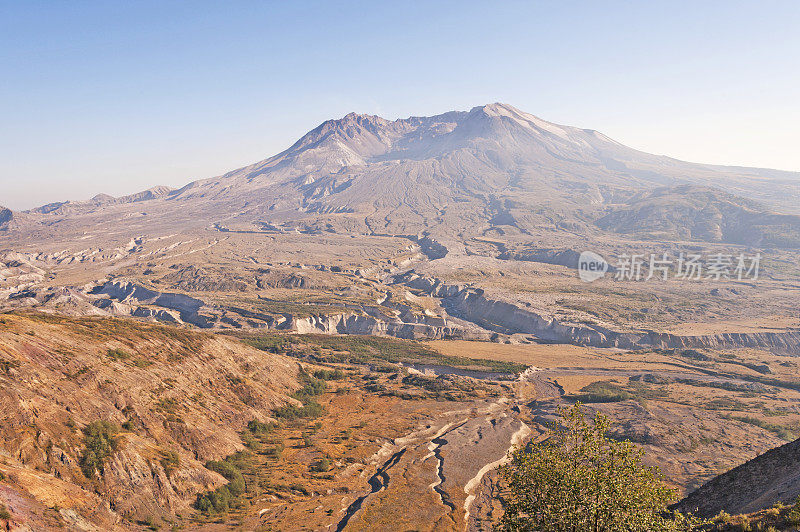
(755, 485)
(171, 393)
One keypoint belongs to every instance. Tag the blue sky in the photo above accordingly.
(116, 97)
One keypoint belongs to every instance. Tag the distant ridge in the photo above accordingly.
(66, 207)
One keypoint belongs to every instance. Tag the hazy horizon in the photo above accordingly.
(117, 99)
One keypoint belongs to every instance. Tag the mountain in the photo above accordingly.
(491, 166)
(460, 174)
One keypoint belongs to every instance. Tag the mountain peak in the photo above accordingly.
(498, 108)
(358, 119)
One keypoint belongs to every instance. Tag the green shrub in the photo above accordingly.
(361, 349)
(8, 365)
(258, 428)
(117, 354)
(309, 410)
(793, 516)
(602, 392)
(323, 465)
(312, 386)
(779, 430)
(329, 375)
(4, 513)
(275, 451)
(214, 501)
(100, 441)
(221, 499)
(231, 473)
(299, 488)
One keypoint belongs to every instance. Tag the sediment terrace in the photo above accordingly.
(466, 313)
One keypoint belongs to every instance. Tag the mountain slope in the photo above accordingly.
(702, 214)
(167, 390)
(760, 483)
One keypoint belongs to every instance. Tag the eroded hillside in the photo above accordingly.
(175, 398)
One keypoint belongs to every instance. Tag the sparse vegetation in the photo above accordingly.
(779, 430)
(785, 517)
(222, 498)
(7, 365)
(726, 403)
(369, 349)
(100, 441)
(170, 461)
(447, 387)
(257, 427)
(602, 392)
(329, 375)
(323, 465)
(170, 408)
(312, 387)
(118, 354)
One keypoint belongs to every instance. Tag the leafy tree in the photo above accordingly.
(581, 480)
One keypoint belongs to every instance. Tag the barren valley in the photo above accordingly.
(352, 334)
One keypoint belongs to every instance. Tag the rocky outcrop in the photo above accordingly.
(559, 257)
(423, 327)
(131, 292)
(431, 248)
(133, 296)
(470, 314)
(472, 304)
(18, 273)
